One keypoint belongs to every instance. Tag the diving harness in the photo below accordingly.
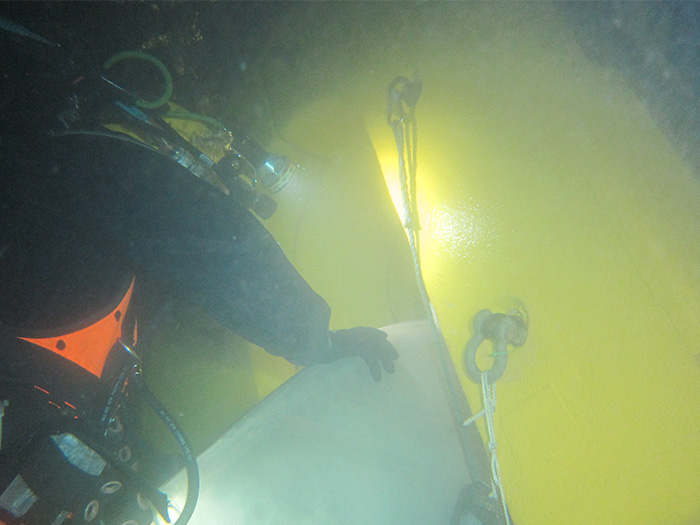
(71, 453)
(84, 465)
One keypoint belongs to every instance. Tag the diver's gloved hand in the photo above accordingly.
(368, 343)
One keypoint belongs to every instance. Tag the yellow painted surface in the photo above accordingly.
(337, 225)
(543, 181)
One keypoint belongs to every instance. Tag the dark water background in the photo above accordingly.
(237, 60)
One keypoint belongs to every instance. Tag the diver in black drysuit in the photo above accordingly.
(79, 212)
(126, 208)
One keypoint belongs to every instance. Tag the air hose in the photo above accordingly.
(167, 92)
(190, 459)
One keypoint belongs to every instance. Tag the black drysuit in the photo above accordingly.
(80, 209)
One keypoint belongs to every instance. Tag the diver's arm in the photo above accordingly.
(201, 245)
(246, 281)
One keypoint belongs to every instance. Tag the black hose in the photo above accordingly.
(190, 460)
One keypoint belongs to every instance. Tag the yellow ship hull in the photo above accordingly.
(545, 184)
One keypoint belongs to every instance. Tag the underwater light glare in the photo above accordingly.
(276, 172)
(459, 229)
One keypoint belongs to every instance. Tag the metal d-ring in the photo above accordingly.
(501, 330)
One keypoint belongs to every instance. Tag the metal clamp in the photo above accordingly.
(501, 330)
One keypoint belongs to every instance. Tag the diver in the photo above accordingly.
(90, 220)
